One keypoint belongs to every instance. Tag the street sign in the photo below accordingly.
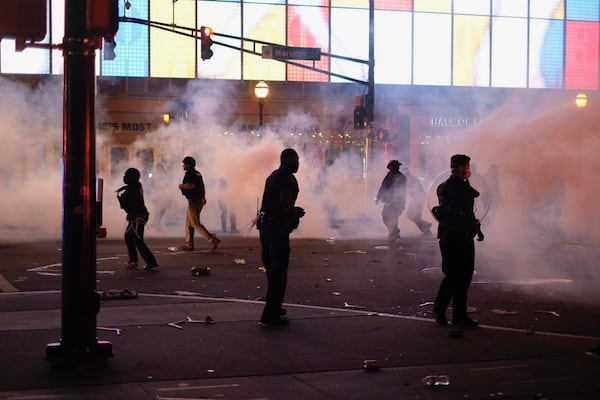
(291, 53)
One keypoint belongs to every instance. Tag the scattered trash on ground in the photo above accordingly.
(503, 312)
(262, 269)
(371, 365)
(117, 294)
(116, 330)
(200, 271)
(346, 305)
(189, 320)
(335, 293)
(382, 247)
(427, 303)
(173, 248)
(547, 312)
(355, 252)
(240, 261)
(328, 280)
(436, 380)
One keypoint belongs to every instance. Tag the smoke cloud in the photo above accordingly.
(542, 147)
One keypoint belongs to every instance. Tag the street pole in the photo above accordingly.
(370, 104)
(80, 302)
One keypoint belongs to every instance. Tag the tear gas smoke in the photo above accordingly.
(542, 148)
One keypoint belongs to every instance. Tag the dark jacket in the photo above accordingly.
(195, 177)
(278, 201)
(393, 189)
(455, 212)
(131, 199)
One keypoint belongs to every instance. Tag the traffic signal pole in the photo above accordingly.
(80, 302)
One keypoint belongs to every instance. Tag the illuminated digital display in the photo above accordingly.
(496, 43)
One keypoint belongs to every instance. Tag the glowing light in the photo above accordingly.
(581, 100)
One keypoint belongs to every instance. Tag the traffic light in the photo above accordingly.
(205, 42)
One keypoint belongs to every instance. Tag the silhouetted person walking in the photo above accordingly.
(456, 230)
(392, 193)
(278, 217)
(193, 189)
(131, 199)
(414, 211)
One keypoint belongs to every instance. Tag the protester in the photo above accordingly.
(194, 191)
(392, 193)
(131, 199)
(278, 217)
(417, 196)
(456, 230)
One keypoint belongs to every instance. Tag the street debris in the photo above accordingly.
(173, 248)
(115, 294)
(335, 293)
(382, 247)
(503, 312)
(355, 252)
(116, 330)
(240, 261)
(189, 320)
(436, 380)
(200, 271)
(262, 269)
(547, 312)
(346, 305)
(427, 303)
(371, 365)
(328, 280)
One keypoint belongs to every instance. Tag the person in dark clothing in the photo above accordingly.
(278, 217)
(193, 189)
(392, 193)
(131, 199)
(414, 211)
(456, 230)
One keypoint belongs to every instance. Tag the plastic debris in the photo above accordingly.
(240, 261)
(262, 269)
(176, 324)
(115, 294)
(547, 312)
(503, 312)
(200, 271)
(173, 248)
(436, 380)
(207, 320)
(382, 247)
(328, 280)
(116, 330)
(346, 305)
(371, 365)
(427, 303)
(335, 293)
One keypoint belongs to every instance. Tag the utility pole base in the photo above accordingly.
(58, 354)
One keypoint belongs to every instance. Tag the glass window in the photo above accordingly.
(432, 49)
(554, 9)
(582, 10)
(510, 8)
(441, 6)
(308, 27)
(393, 45)
(131, 51)
(226, 63)
(29, 61)
(393, 5)
(350, 4)
(57, 34)
(581, 58)
(471, 51)
(172, 55)
(509, 52)
(546, 53)
(476, 7)
(266, 23)
(349, 38)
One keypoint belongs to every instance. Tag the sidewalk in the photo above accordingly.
(319, 356)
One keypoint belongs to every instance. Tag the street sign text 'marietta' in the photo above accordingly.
(291, 53)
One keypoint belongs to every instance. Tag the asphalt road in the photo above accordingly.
(373, 275)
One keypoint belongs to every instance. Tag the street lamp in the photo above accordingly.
(261, 90)
(581, 100)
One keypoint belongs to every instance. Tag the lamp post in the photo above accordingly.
(261, 90)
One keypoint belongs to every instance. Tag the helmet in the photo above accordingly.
(394, 164)
(189, 160)
(131, 175)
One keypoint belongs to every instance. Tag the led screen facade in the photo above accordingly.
(483, 43)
